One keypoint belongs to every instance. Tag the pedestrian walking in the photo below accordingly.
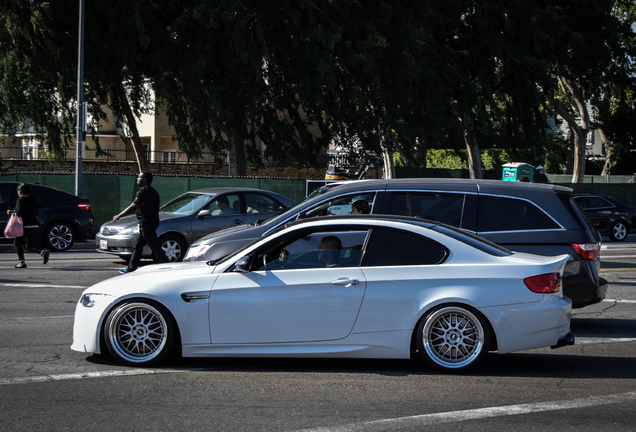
(27, 209)
(146, 207)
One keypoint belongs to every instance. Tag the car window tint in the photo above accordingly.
(446, 208)
(388, 247)
(339, 205)
(226, 205)
(260, 203)
(594, 202)
(495, 213)
(47, 196)
(5, 194)
(319, 249)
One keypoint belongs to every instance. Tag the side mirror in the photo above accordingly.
(243, 264)
(204, 213)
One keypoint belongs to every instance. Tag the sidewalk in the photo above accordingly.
(7, 246)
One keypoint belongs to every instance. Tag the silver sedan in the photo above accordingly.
(190, 216)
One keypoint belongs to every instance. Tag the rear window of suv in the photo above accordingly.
(496, 213)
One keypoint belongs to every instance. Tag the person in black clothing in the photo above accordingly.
(27, 209)
(146, 207)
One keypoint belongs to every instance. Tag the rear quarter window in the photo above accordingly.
(388, 247)
(495, 213)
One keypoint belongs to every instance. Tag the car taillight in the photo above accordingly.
(587, 251)
(544, 284)
(84, 206)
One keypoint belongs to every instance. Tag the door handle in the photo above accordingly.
(345, 281)
(238, 221)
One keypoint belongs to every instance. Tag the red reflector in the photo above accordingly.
(544, 284)
(84, 206)
(587, 251)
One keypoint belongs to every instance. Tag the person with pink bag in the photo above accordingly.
(27, 209)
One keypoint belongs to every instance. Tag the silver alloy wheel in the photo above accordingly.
(453, 337)
(619, 231)
(60, 236)
(137, 332)
(173, 250)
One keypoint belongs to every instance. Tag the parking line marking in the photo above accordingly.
(84, 375)
(26, 285)
(618, 301)
(479, 413)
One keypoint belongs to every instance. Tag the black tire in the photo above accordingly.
(140, 333)
(173, 246)
(452, 338)
(58, 236)
(619, 231)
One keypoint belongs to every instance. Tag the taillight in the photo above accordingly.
(587, 251)
(544, 284)
(84, 206)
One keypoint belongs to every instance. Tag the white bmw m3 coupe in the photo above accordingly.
(340, 286)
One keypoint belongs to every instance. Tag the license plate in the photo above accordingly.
(103, 244)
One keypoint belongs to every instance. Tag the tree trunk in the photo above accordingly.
(121, 95)
(579, 131)
(610, 155)
(472, 149)
(237, 165)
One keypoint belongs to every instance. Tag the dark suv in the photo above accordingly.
(525, 217)
(64, 218)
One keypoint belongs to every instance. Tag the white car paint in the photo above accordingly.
(335, 312)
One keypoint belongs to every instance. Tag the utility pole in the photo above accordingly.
(81, 112)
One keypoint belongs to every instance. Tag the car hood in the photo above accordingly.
(152, 279)
(244, 231)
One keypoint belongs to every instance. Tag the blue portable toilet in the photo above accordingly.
(514, 171)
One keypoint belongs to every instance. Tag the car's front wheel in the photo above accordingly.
(452, 338)
(174, 247)
(140, 333)
(618, 231)
(58, 236)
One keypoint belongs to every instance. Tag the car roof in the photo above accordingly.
(226, 189)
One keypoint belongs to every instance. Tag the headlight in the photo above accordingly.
(195, 252)
(90, 300)
(131, 230)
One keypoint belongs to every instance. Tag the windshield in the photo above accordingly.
(321, 191)
(185, 205)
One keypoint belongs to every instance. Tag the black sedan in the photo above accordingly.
(609, 216)
(64, 218)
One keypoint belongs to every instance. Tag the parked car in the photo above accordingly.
(608, 215)
(190, 216)
(64, 218)
(523, 217)
(390, 288)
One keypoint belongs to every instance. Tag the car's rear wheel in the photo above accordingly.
(58, 236)
(140, 333)
(618, 231)
(174, 247)
(452, 338)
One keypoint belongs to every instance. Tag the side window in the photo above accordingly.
(340, 205)
(396, 248)
(226, 205)
(320, 249)
(446, 208)
(598, 203)
(5, 194)
(260, 203)
(509, 214)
